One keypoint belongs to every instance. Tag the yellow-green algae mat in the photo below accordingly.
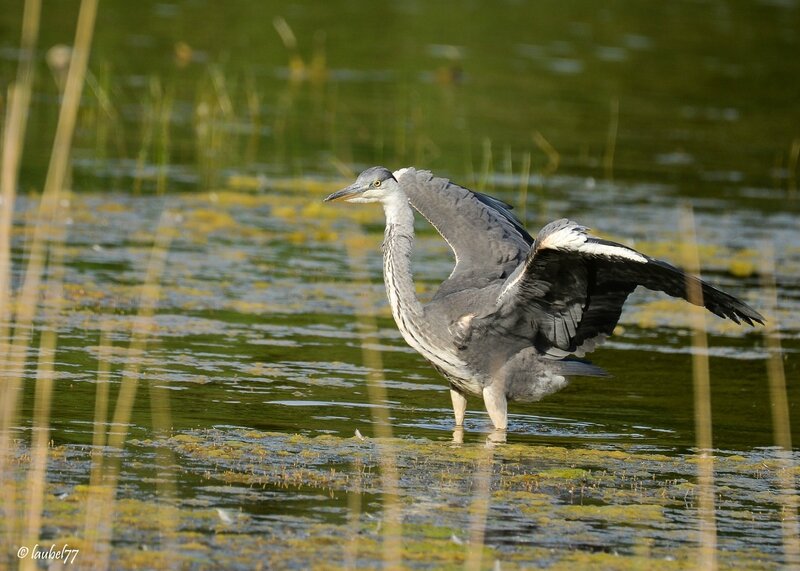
(529, 506)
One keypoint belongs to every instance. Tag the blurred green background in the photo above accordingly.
(197, 91)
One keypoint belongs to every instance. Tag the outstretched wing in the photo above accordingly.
(488, 241)
(572, 287)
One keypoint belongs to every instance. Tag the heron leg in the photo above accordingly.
(459, 405)
(494, 396)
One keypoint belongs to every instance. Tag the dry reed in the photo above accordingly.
(376, 390)
(611, 140)
(27, 302)
(781, 423)
(13, 142)
(707, 533)
(102, 495)
(479, 509)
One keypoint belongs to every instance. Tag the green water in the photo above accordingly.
(193, 108)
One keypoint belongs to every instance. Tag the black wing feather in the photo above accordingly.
(572, 287)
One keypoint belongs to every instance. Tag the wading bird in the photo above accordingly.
(516, 313)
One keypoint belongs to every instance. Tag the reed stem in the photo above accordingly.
(368, 329)
(707, 555)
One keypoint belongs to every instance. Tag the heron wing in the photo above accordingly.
(486, 238)
(572, 286)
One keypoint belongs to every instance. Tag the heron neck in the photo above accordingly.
(397, 245)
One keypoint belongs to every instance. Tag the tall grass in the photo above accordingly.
(781, 423)
(15, 124)
(95, 529)
(368, 329)
(155, 148)
(794, 160)
(45, 252)
(102, 496)
(479, 509)
(13, 142)
(707, 556)
(27, 302)
(37, 475)
(611, 139)
(524, 182)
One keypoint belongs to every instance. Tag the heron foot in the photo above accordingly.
(496, 436)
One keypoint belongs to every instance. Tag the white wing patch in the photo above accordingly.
(610, 251)
(574, 238)
(566, 238)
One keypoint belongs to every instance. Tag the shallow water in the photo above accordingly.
(256, 328)
(249, 339)
(648, 109)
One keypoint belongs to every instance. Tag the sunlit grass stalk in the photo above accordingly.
(417, 118)
(336, 137)
(486, 165)
(707, 556)
(107, 120)
(611, 140)
(36, 478)
(794, 158)
(156, 136)
(479, 510)
(201, 122)
(104, 495)
(142, 326)
(553, 156)
(781, 423)
(223, 97)
(253, 98)
(376, 390)
(553, 161)
(149, 116)
(508, 163)
(213, 112)
(353, 515)
(104, 353)
(469, 163)
(57, 173)
(164, 131)
(318, 67)
(524, 181)
(14, 127)
(296, 65)
(96, 498)
(401, 124)
(161, 414)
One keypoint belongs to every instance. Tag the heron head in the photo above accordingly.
(375, 184)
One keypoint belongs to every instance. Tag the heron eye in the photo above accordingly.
(376, 183)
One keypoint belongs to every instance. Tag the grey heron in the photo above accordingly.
(514, 317)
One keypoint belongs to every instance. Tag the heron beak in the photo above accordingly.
(345, 193)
